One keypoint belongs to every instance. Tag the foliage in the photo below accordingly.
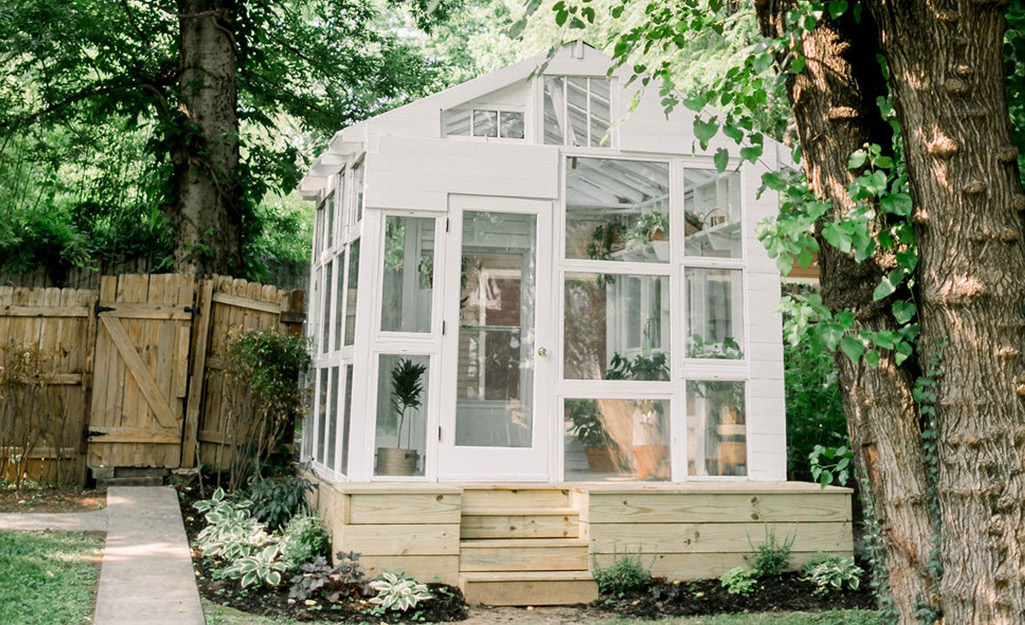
(262, 371)
(626, 574)
(643, 367)
(231, 532)
(739, 580)
(407, 387)
(771, 558)
(830, 463)
(48, 578)
(278, 499)
(586, 423)
(833, 573)
(727, 349)
(397, 592)
(261, 566)
(302, 540)
(318, 578)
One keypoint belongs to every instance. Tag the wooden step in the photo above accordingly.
(514, 498)
(523, 554)
(549, 523)
(529, 588)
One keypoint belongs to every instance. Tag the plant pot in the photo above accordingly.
(599, 460)
(649, 459)
(393, 461)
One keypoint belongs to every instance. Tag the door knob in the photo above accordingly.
(542, 351)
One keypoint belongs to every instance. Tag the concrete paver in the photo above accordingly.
(147, 575)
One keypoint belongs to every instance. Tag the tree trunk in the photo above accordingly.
(946, 62)
(205, 217)
(834, 104)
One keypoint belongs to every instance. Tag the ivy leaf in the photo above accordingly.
(836, 236)
(888, 284)
(852, 348)
(836, 9)
(804, 258)
(722, 159)
(751, 153)
(733, 132)
(704, 131)
(696, 103)
(857, 159)
(903, 311)
(872, 357)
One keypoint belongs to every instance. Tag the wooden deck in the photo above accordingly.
(535, 544)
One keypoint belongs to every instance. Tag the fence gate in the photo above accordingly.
(141, 370)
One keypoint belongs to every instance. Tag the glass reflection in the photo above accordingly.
(617, 439)
(716, 428)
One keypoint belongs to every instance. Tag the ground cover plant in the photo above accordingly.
(48, 578)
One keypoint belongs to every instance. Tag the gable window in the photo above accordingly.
(577, 111)
(484, 123)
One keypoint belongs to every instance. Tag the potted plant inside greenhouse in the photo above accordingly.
(586, 424)
(407, 390)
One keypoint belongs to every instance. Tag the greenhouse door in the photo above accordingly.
(494, 418)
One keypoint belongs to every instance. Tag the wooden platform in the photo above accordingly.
(536, 544)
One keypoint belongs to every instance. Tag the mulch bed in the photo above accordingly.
(447, 605)
(59, 499)
(703, 597)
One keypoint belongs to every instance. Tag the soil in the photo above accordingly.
(60, 499)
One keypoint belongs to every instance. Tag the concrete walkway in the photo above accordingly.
(146, 575)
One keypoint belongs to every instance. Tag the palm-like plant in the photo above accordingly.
(407, 387)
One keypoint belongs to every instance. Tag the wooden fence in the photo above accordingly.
(130, 373)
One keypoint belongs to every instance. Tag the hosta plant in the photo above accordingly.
(398, 593)
(833, 573)
(231, 532)
(262, 566)
(739, 580)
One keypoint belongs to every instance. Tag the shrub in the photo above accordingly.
(319, 577)
(302, 539)
(771, 558)
(261, 566)
(833, 573)
(278, 499)
(231, 532)
(397, 592)
(739, 580)
(626, 574)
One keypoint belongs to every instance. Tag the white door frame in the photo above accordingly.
(506, 464)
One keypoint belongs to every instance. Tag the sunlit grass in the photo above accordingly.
(48, 578)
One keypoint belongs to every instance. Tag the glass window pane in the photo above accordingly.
(555, 110)
(318, 231)
(485, 123)
(347, 416)
(402, 384)
(332, 419)
(408, 274)
(617, 210)
(456, 123)
(512, 125)
(576, 108)
(322, 407)
(716, 430)
(613, 439)
(316, 299)
(330, 222)
(339, 302)
(616, 327)
(325, 327)
(496, 331)
(351, 293)
(340, 203)
(712, 213)
(357, 183)
(601, 111)
(715, 313)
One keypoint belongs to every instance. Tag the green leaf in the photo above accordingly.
(722, 159)
(751, 153)
(836, 9)
(888, 284)
(872, 357)
(852, 348)
(696, 103)
(857, 159)
(704, 131)
(903, 311)
(836, 236)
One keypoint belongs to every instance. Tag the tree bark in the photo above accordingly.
(834, 105)
(206, 217)
(946, 62)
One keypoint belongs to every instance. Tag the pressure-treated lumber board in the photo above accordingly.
(544, 554)
(396, 540)
(44, 311)
(403, 508)
(513, 499)
(521, 588)
(443, 569)
(561, 524)
(716, 507)
(715, 537)
(115, 434)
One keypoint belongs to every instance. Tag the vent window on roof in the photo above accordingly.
(577, 111)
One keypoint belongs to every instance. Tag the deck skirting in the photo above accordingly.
(536, 534)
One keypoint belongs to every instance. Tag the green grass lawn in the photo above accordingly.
(48, 578)
(220, 615)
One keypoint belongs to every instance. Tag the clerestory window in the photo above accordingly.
(577, 111)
